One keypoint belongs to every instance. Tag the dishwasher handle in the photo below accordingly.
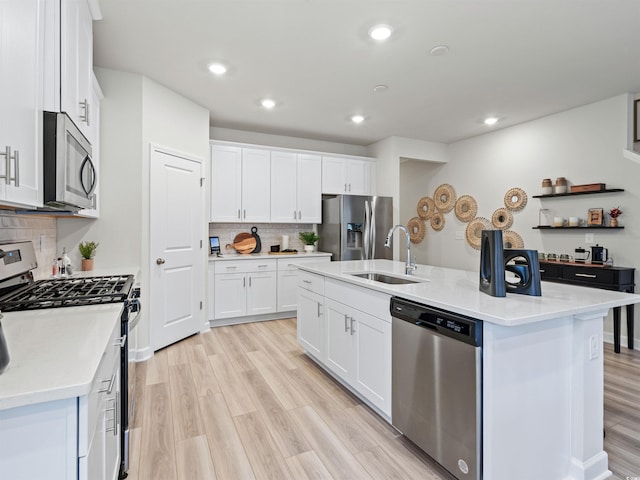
(422, 324)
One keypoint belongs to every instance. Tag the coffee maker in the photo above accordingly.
(581, 255)
(599, 254)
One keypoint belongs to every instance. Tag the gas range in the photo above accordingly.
(68, 292)
(19, 291)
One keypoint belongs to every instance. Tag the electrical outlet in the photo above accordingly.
(593, 347)
(589, 238)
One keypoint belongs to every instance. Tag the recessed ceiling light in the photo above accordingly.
(490, 120)
(380, 88)
(217, 69)
(439, 50)
(268, 103)
(357, 118)
(380, 32)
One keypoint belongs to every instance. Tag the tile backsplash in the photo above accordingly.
(40, 230)
(270, 233)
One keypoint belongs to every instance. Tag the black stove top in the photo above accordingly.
(68, 292)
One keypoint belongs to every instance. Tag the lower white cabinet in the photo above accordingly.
(255, 286)
(343, 330)
(72, 438)
(311, 322)
(244, 287)
(288, 280)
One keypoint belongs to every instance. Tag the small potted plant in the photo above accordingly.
(614, 213)
(88, 251)
(309, 239)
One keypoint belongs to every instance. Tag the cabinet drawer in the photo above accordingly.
(104, 383)
(596, 276)
(311, 281)
(548, 271)
(364, 299)
(290, 263)
(246, 266)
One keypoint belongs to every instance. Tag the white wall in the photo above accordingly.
(282, 141)
(136, 112)
(584, 145)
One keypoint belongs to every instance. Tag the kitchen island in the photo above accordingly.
(542, 365)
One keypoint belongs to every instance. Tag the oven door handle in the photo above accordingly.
(136, 319)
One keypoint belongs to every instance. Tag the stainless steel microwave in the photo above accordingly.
(70, 176)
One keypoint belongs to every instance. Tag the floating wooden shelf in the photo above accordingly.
(573, 194)
(591, 227)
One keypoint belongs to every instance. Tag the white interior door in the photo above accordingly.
(177, 267)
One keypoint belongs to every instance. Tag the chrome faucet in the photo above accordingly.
(410, 267)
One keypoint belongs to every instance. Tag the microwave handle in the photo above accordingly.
(87, 163)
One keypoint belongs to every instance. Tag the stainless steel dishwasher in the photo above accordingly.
(437, 384)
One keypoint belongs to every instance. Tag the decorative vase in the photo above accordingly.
(308, 248)
(614, 222)
(87, 264)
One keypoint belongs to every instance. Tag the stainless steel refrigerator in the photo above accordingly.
(355, 227)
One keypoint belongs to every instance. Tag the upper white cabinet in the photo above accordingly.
(21, 99)
(240, 187)
(256, 188)
(76, 70)
(296, 187)
(226, 183)
(94, 125)
(263, 184)
(350, 176)
(69, 62)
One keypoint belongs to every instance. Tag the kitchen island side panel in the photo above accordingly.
(543, 400)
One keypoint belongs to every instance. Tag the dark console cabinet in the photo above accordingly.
(620, 279)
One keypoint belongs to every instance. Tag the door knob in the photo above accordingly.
(160, 261)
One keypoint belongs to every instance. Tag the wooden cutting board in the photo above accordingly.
(244, 243)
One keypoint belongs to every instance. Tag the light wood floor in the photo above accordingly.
(244, 402)
(622, 411)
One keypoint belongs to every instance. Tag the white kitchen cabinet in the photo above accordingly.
(356, 344)
(358, 350)
(296, 187)
(230, 295)
(226, 183)
(22, 45)
(212, 288)
(256, 188)
(71, 438)
(311, 322)
(261, 292)
(94, 126)
(240, 186)
(339, 321)
(288, 274)
(76, 64)
(310, 316)
(244, 287)
(350, 176)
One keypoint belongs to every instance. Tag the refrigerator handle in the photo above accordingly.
(367, 230)
(372, 231)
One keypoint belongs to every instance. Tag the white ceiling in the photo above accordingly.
(514, 59)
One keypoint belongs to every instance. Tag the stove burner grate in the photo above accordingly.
(68, 292)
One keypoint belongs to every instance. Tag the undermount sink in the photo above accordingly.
(384, 278)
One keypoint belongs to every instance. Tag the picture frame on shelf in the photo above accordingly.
(595, 217)
(636, 120)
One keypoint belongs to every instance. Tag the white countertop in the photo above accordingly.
(107, 271)
(262, 255)
(54, 353)
(458, 291)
